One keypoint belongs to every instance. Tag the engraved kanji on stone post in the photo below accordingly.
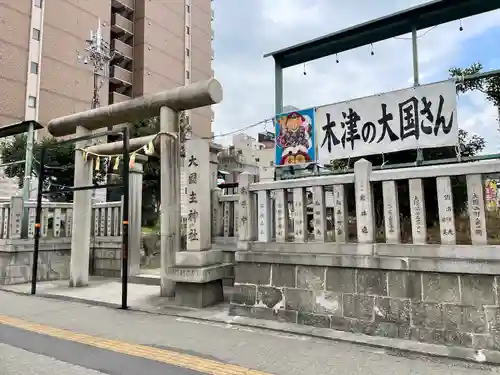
(319, 214)
(417, 211)
(364, 204)
(281, 215)
(246, 214)
(477, 216)
(197, 164)
(340, 213)
(445, 207)
(391, 212)
(300, 215)
(264, 220)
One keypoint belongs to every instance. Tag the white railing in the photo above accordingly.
(295, 211)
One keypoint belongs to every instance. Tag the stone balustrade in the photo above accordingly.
(358, 265)
(16, 253)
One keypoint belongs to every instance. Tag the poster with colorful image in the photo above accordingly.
(491, 195)
(295, 138)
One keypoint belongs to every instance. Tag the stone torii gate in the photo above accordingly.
(166, 104)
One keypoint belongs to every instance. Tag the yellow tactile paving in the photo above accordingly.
(187, 361)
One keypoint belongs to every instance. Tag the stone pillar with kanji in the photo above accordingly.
(199, 271)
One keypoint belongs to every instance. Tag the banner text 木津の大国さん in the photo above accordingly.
(419, 117)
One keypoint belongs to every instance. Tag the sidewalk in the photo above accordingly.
(265, 350)
(107, 292)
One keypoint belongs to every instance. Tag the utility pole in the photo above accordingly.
(99, 54)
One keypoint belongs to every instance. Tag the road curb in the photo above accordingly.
(390, 345)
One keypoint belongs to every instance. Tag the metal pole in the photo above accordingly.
(125, 176)
(38, 216)
(416, 78)
(278, 87)
(27, 177)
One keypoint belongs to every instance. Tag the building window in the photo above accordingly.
(187, 52)
(32, 102)
(188, 8)
(34, 67)
(38, 3)
(36, 34)
(187, 30)
(187, 74)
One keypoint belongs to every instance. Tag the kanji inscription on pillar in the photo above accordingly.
(477, 216)
(340, 214)
(319, 214)
(198, 231)
(446, 215)
(364, 207)
(299, 215)
(264, 219)
(417, 211)
(281, 215)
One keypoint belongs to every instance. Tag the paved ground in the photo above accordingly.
(42, 336)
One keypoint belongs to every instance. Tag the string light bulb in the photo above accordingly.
(372, 52)
(305, 73)
(461, 27)
(337, 58)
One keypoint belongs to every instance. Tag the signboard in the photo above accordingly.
(418, 117)
(295, 138)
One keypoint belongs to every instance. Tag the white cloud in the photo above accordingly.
(247, 29)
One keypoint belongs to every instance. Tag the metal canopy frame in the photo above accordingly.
(410, 20)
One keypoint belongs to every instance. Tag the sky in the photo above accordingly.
(247, 29)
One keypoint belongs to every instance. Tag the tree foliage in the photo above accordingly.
(151, 189)
(489, 86)
(59, 163)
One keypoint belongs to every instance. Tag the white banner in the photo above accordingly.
(418, 117)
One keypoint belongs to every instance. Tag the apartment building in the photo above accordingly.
(157, 45)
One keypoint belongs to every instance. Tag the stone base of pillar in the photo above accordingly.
(199, 295)
(199, 276)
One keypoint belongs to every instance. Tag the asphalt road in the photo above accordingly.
(42, 336)
(23, 352)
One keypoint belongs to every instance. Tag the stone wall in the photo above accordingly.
(107, 260)
(433, 307)
(16, 266)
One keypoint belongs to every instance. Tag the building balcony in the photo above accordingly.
(115, 97)
(122, 50)
(120, 76)
(123, 5)
(121, 25)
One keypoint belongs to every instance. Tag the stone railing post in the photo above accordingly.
(216, 213)
(16, 217)
(246, 211)
(365, 216)
(135, 215)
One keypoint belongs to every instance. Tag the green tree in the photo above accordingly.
(151, 178)
(59, 162)
(490, 86)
